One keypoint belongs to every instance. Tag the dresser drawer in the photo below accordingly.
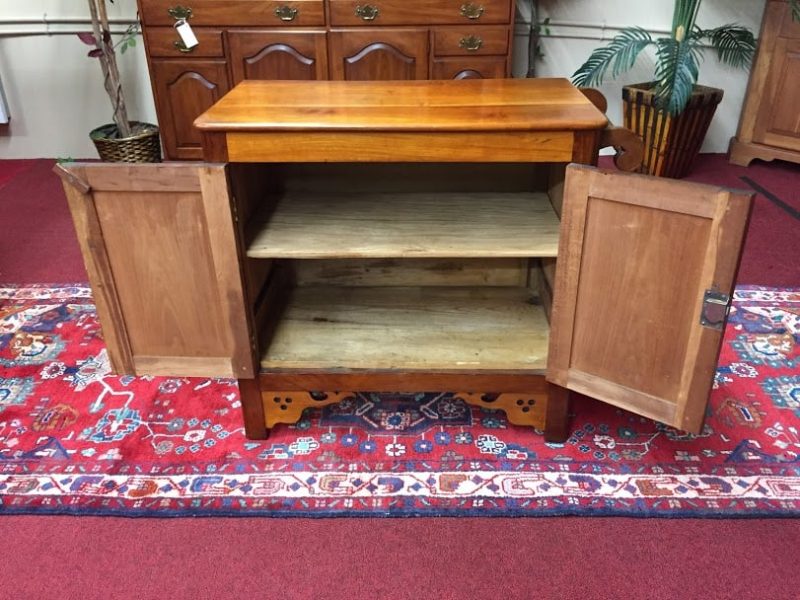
(418, 12)
(165, 42)
(478, 67)
(221, 13)
(469, 41)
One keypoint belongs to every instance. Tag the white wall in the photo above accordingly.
(55, 92)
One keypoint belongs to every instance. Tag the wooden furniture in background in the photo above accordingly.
(421, 257)
(312, 40)
(769, 127)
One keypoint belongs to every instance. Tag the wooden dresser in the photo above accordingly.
(412, 236)
(769, 127)
(312, 39)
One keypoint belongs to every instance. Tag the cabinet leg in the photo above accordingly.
(556, 428)
(520, 408)
(255, 427)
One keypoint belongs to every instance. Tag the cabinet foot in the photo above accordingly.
(288, 407)
(520, 408)
(743, 153)
(557, 420)
(252, 410)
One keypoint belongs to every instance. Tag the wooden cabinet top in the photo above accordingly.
(466, 105)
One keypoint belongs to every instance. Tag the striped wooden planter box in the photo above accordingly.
(671, 143)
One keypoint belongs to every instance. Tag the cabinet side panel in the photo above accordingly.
(779, 119)
(756, 87)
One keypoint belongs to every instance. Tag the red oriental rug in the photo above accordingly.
(76, 440)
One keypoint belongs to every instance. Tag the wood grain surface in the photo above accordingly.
(416, 12)
(159, 241)
(447, 41)
(636, 257)
(246, 13)
(466, 105)
(403, 272)
(394, 146)
(410, 328)
(386, 225)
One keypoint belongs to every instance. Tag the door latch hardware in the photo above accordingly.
(715, 309)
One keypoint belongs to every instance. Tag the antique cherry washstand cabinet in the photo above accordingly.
(365, 236)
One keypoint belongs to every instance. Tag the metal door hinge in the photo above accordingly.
(715, 309)
(234, 209)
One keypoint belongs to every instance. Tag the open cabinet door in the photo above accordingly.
(645, 271)
(160, 247)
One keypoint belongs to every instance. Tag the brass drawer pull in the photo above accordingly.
(367, 12)
(471, 11)
(180, 12)
(286, 13)
(182, 47)
(471, 43)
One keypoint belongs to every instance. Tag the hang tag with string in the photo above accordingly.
(187, 35)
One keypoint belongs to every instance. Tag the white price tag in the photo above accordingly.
(187, 35)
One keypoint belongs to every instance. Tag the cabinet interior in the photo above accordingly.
(400, 266)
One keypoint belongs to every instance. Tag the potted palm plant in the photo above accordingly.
(671, 113)
(123, 140)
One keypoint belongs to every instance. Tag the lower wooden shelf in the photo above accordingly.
(409, 328)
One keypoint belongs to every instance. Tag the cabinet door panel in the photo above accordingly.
(278, 55)
(778, 121)
(380, 54)
(185, 90)
(635, 259)
(462, 67)
(161, 252)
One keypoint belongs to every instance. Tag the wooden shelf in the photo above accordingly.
(431, 328)
(402, 225)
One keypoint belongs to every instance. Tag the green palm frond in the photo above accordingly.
(735, 45)
(677, 70)
(795, 6)
(620, 54)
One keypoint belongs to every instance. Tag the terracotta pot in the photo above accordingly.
(671, 143)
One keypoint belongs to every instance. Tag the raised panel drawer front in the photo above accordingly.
(470, 41)
(419, 12)
(243, 13)
(164, 42)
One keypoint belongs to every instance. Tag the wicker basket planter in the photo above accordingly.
(143, 146)
(671, 143)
